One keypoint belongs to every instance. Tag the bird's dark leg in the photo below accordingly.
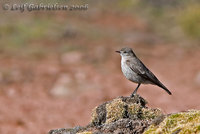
(135, 91)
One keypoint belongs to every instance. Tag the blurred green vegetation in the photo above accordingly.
(173, 19)
(60, 31)
(190, 21)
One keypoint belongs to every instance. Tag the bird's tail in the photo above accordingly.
(163, 87)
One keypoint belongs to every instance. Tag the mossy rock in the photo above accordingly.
(179, 123)
(124, 107)
(130, 115)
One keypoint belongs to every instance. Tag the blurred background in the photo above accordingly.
(56, 66)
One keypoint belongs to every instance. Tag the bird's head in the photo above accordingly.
(126, 52)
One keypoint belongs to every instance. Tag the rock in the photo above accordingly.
(74, 130)
(126, 115)
(121, 115)
(178, 123)
(58, 131)
(123, 107)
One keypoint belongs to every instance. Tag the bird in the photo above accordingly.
(135, 71)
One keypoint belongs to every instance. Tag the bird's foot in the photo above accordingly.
(133, 94)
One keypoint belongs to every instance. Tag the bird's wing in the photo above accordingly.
(138, 67)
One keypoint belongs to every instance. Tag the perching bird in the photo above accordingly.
(135, 71)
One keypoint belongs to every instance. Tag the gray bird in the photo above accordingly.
(135, 71)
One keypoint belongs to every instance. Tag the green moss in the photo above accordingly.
(151, 113)
(94, 115)
(115, 110)
(184, 122)
(145, 113)
(198, 128)
(134, 109)
(189, 20)
(120, 108)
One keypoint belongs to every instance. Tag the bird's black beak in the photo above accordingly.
(117, 51)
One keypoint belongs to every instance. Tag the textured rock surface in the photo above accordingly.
(126, 115)
(179, 123)
(122, 115)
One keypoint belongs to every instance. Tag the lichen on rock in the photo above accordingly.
(178, 123)
(115, 110)
(130, 115)
(124, 114)
(124, 107)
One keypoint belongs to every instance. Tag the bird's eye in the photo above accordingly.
(125, 52)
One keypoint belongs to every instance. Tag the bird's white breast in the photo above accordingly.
(128, 72)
